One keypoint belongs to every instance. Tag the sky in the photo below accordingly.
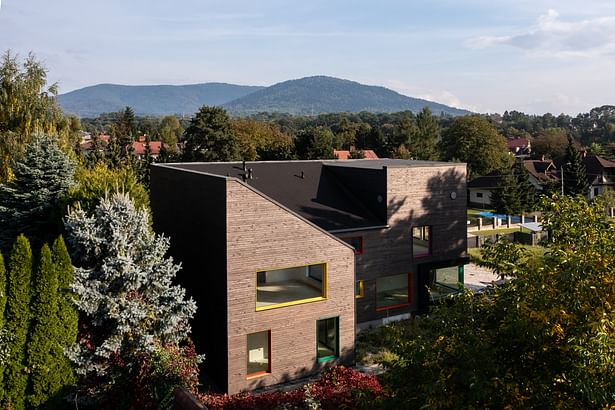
(534, 56)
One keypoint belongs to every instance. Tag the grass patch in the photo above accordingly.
(494, 231)
(533, 253)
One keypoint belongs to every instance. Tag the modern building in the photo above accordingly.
(287, 259)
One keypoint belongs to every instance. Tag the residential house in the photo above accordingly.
(600, 174)
(480, 189)
(287, 259)
(519, 147)
(541, 173)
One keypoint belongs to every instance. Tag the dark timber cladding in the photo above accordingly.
(190, 208)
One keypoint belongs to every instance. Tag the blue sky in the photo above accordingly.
(489, 56)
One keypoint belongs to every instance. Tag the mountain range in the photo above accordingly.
(305, 96)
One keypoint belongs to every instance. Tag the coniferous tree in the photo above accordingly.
(68, 317)
(123, 283)
(2, 291)
(575, 175)
(424, 145)
(505, 199)
(4, 335)
(43, 349)
(30, 204)
(527, 191)
(17, 322)
(515, 193)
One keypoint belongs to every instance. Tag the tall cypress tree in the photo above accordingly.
(2, 291)
(68, 317)
(575, 175)
(17, 322)
(4, 335)
(43, 348)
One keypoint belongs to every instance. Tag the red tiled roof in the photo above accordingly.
(139, 147)
(513, 143)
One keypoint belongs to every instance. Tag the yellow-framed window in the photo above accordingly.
(289, 286)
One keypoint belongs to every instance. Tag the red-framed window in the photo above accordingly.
(393, 291)
(356, 242)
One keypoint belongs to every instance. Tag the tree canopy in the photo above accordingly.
(31, 203)
(544, 339)
(473, 140)
(210, 137)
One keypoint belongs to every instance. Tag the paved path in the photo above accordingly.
(477, 278)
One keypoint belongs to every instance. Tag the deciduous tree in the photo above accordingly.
(473, 140)
(544, 339)
(210, 137)
(27, 107)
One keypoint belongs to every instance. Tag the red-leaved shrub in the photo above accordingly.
(339, 387)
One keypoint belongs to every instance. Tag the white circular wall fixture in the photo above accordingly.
(453, 195)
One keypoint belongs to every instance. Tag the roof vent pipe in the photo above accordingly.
(302, 175)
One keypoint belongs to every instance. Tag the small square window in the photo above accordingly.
(259, 354)
(356, 242)
(479, 194)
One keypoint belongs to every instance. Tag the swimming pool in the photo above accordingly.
(514, 219)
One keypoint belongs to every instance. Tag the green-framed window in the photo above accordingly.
(327, 339)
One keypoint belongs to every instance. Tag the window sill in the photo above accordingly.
(381, 309)
(295, 302)
(257, 375)
(326, 358)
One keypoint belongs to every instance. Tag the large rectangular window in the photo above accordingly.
(290, 286)
(421, 241)
(259, 354)
(327, 339)
(445, 281)
(392, 291)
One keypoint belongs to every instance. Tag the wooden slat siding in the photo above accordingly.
(416, 196)
(263, 235)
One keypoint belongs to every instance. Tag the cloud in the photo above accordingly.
(553, 36)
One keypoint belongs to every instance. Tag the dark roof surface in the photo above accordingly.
(489, 181)
(599, 170)
(307, 188)
(542, 170)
